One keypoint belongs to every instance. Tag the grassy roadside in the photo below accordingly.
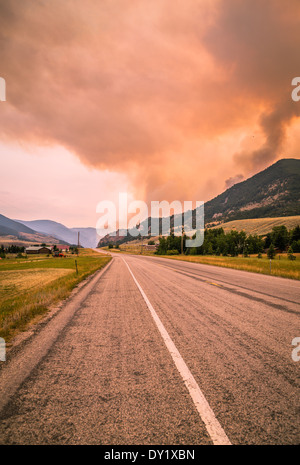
(134, 250)
(282, 267)
(29, 287)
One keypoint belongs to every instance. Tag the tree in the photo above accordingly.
(268, 241)
(210, 250)
(162, 248)
(246, 252)
(290, 254)
(295, 236)
(296, 246)
(271, 252)
(280, 237)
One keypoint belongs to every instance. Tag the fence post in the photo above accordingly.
(2, 350)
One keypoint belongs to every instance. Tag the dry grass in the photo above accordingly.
(28, 239)
(135, 249)
(279, 267)
(129, 248)
(260, 226)
(14, 282)
(29, 287)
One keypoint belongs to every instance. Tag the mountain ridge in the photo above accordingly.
(88, 235)
(271, 193)
(18, 231)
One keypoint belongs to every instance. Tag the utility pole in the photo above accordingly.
(138, 226)
(78, 243)
(182, 234)
(141, 238)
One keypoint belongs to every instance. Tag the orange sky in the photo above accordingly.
(165, 99)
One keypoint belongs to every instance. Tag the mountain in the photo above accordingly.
(88, 236)
(18, 231)
(53, 228)
(273, 192)
(8, 226)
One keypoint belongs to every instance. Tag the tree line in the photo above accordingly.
(10, 249)
(234, 243)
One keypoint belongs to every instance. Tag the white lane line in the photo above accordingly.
(208, 417)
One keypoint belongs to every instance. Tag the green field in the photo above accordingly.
(28, 287)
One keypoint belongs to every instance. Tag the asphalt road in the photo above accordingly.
(155, 351)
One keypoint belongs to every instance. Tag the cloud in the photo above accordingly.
(259, 40)
(149, 89)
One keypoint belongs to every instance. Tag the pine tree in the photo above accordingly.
(271, 252)
(290, 254)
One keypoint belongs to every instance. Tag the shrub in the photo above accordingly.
(172, 252)
(193, 251)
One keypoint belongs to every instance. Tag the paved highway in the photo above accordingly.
(157, 351)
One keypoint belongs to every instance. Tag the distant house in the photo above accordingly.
(63, 248)
(37, 250)
(150, 247)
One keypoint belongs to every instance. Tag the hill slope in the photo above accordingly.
(8, 226)
(272, 193)
(12, 231)
(88, 236)
(260, 226)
